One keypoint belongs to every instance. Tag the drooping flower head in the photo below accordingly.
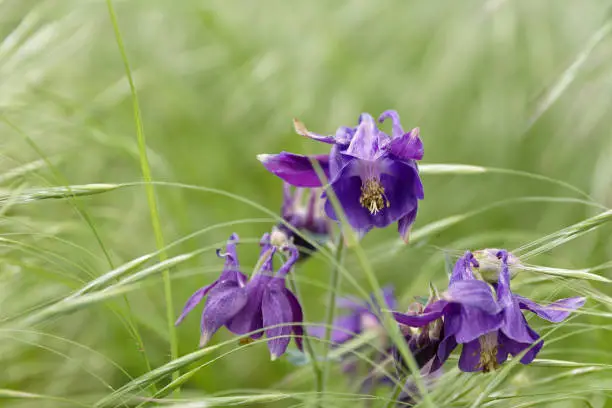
(373, 175)
(309, 219)
(486, 318)
(249, 305)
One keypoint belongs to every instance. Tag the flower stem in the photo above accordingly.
(334, 284)
(318, 374)
(394, 396)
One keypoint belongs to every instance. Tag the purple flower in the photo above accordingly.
(250, 305)
(487, 319)
(363, 317)
(309, 220)
(373, 175)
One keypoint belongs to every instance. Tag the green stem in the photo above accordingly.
(318, 374)
(150, 190)
(334, 284)
(394, 396)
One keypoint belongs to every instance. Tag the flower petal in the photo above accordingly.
(470, 357)
(405, 223)
(193, 301)
(463, 268)
(250, 317)
(300, 129)
(347, 188)
(224, 301)
(554, 312)
(475, 323)
(276, 310)
(343, 329)
(474, 293)
(420, 320)
(364, 144)
(514, 348)
(397, 130)
(298, 317)
(452, 323)
(296, 169)
(408, 146)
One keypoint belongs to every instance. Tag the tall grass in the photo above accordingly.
(516, 92)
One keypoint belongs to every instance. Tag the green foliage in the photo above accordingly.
(515, 94)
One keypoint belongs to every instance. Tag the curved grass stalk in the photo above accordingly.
(150, 191)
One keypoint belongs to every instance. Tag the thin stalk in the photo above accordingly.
(334, 284)
(394, 396)
(316, 370)
(150, 191)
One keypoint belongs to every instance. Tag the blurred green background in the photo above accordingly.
(517, 84)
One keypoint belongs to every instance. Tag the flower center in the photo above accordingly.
(488, 352)
(373, 196)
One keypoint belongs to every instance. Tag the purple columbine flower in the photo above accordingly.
(373, 175)
(362, 317)
(487, 319)
(250, 305)
(309, 220)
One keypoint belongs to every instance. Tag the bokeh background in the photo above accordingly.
(515, 84)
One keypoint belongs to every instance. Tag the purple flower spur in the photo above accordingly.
(373, 175)
(251, 305)
(310, 220)
(486, 318)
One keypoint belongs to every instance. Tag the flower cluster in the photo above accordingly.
(373, 179)
(246, 306)
(486, 318)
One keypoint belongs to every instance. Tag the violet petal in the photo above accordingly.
(296, 169)
(554, 312)
(276, 309)
(193, 301)
(474, 293)
(407, 147)
(224, 301)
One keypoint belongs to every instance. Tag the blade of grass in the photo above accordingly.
(150, 190)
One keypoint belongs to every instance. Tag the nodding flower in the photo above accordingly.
(251, 306)
(373, 175)
(308, 218)
(486, 318)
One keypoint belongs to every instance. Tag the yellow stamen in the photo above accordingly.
(373, 196)
(488, 352)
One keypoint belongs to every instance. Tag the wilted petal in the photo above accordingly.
(554, 312)
(364, 144)
(300, 129)
(224, 301)
(193, 301)
(474, 293)
(296, 169)
(276, 309)
(407, 147)
(470, 357)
